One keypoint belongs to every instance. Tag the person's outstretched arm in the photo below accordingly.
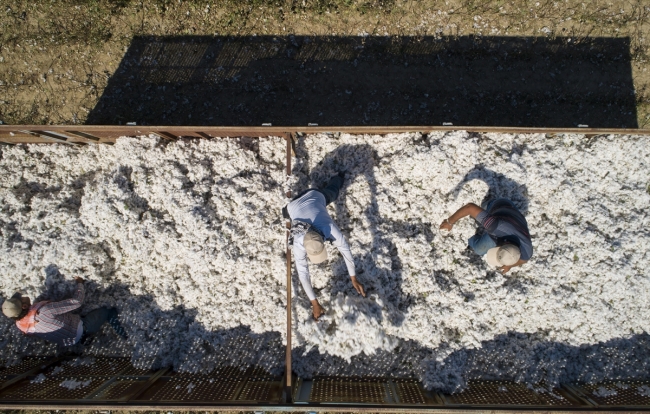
(469, 209)
(504, 269)
(340, 243)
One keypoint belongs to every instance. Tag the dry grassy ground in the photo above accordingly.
(56, 57)
(115, 412)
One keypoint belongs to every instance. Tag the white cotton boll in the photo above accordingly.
(187, 236)
(348, 329)
(289, 182)
(604, 392)
(152, 227)
(38, 379)
(586, 283)
(82, 361)
(73, 384)
(644, 391)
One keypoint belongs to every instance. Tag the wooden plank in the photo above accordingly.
(288, 371)
(84, 135)
(165, 135)
(31, 139)
(55, 137)
(293, 145)
(48, 136)
(111, 132)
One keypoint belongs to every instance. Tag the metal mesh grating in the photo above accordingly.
(228, 372)
(354, 390)
(137, 372)
(112, 380)
(219, 372)
(495, 393)
(118, 389)
(261, 373)
(556, 397)
(409, 392)
(92, 367)
(25, 365)
(50, 389)
(622, 393)
(192, 389)
(266, 391)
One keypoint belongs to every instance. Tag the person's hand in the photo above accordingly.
(504, 269)
(358, 286)
(446, 225)
(78, 279)
(316, 309)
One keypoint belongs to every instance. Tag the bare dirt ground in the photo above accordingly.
(522, 62)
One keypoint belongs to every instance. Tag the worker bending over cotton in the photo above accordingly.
(506, 242)
(56, 322)
(311, 227)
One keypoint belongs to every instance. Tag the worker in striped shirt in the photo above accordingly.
(55, 322)
(506, 242)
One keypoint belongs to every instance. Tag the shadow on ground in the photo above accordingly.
(499, 186)
(386, 279)
(531, 358)
(378, 277)
(336, 80)
(522, 357)
(157, 337)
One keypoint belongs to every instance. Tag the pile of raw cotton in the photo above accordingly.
(183, 238)
(186, 240)
(577, 311)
